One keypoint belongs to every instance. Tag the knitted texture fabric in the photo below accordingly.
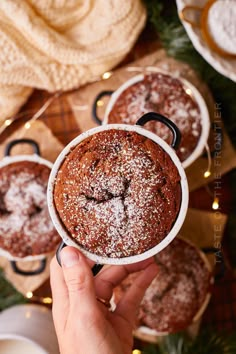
(61, 44)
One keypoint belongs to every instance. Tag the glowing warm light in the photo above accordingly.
(29, 295)
(106, 75)
(100, 103)
(215, 204)
(188, 91)
(207, 174)
(27, 125)
(136, 351)
(47, 300)
(7, 122)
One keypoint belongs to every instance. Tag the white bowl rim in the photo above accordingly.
(178, 222)
(204, 113)
(7, 160)
(18, 337)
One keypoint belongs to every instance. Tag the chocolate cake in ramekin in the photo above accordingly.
(178, 295)
(26, 228)
(119, 193)
(170, 96)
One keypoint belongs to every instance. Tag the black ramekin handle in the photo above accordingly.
(96, 268)
(39, 270)
(12, 143)
(160, 118)
(94, 107)
(220, 272)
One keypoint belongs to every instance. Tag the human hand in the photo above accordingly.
(83, 324)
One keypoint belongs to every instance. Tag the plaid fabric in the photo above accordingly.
(221, 311)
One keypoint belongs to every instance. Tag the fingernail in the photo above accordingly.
(69, 257)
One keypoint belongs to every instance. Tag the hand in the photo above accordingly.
(83, 324)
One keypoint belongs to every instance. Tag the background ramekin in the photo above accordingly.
(192, 91)
(153, 336)
(8, 160)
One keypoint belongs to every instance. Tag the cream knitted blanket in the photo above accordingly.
(61, 44)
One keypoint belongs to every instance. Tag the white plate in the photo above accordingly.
(225, 66)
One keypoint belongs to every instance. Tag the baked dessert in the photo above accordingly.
(25, 225)
(117, 193)
(163, 94)
(178, 291)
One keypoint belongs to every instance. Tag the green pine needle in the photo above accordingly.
(9, 296)
(206, 342)
(163, 16)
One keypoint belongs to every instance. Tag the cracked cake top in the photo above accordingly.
(25, 225)
(117, 193)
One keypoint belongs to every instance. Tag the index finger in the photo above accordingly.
(60, 306)
(112, 276)
(128, 305)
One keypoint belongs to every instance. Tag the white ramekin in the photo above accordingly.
(183, 183)
(8, 160)
(152, 335)
(192, 91)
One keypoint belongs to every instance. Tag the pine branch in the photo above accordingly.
(9, 296)
(163, 16)
(206, 342)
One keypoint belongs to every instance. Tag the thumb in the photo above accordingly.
(79, 280)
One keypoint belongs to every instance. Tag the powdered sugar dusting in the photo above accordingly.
(25, 225)
(222, 24)
(118, 193)
(164, 94)
(178, 291)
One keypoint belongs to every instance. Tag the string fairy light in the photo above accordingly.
(216, 201)
(9, 121)
(47, 300)
(107, 75)
(207, 173)
(27, 125)
(29, 295)
(136, 351)
(38, 114)
(35, 116)
(215, 204)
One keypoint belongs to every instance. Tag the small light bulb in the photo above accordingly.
(100, 103)
(106, 75)
(47, 300)
(188, 91)
(27, 125)
(207, 174)
(7, 122)
(29, 295)
(215, 204)
(136, 351)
